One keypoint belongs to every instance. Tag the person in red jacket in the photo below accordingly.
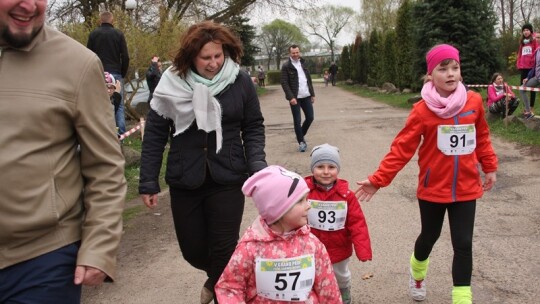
(449, 126)
(335, 216)
(525, 55)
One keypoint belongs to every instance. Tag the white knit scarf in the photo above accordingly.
(444, 107)
(192, 98)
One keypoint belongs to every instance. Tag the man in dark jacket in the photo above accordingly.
(333, 72)
(153, 75)
(298, 88)
(110, 46)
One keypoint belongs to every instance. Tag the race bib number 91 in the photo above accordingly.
(456, 139)
(289, 279)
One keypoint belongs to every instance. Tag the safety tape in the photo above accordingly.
(133, 130)
(521, 88)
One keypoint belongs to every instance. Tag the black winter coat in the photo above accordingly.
(110, 46)
(193, 153)
(289, 80)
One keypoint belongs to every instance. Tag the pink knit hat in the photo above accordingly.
(439, 53)
(274, 191)
(109, 79)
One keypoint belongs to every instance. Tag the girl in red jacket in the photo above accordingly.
(335, 216)
(448, 125)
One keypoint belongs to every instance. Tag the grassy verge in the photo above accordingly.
(132, 178)
(514, 132)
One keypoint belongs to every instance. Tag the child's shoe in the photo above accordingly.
(417, 283)
(346, 296)
(461, 295)
(417, 289)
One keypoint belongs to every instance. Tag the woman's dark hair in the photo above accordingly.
(495, 75)
(197, 35)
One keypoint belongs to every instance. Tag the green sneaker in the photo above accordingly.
(346, 296)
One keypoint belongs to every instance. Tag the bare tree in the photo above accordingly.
(379, 15)
(277, 36)
(327, 22)
(157, 10)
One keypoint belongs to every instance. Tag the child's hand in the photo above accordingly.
(489, 181)
(118, 86)
(365, 191)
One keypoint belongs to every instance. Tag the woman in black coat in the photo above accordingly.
(209, 112)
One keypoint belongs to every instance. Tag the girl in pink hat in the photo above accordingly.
(452, 137)
(278, 260)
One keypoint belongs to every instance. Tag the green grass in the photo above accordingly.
(132, 178)
(131, 213)
(515, 132)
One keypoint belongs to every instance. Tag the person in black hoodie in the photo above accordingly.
(110, 46)
(153, 75)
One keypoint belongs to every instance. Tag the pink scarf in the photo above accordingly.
(441, 106)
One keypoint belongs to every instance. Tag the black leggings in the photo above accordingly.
(461, 219)
(207, 222)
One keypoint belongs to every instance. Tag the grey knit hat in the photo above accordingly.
(325, 153)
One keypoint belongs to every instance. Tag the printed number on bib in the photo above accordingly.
(456, 139)
(526, 50)
(289, 279)
(327, 215)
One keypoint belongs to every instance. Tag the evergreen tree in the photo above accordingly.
(374, 51)
(405, 46)
(346, 62)
(247, 34)
(468, 25)
(389, 57)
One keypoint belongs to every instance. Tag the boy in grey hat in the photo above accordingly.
(335, 216)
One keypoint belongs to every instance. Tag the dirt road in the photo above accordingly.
(506, 238)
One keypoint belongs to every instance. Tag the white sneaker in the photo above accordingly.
(417, 289)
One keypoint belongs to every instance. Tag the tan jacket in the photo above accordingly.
(52, 98)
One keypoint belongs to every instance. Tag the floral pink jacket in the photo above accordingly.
(237, 283)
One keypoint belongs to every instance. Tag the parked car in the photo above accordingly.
(141, 94)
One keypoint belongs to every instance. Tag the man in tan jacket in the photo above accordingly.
(62, 185)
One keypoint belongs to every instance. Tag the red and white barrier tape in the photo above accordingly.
(521, 88)
(133, 130)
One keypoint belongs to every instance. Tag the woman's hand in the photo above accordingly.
(365, 191)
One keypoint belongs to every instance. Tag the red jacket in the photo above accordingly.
(442, 178)
(339, 243)
(525, 54)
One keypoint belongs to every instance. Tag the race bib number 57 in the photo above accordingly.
(289, 279)
(456, 139)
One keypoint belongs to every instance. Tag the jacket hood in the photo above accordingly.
(260, 232)
(341, 186)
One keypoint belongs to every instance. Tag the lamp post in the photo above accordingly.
(275, 52)
(130, 6)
